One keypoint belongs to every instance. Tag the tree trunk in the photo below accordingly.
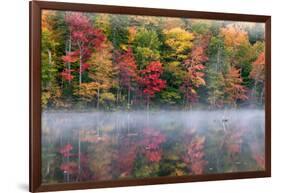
(50, 63)
(262, 93)
(80, 68)
(129, 95)
(117, 96)
(147, 103)
(254, 92)
(218, 60)
(98, 98)
(186, 102)
(68, 63)
(147, 110)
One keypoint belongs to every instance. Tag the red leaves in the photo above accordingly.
(66, 74)
(85, 66)
(99, 39)
(152, 139)
(127, 155)
(260, 159)
(198, 57)
(258, 68)
(148, 145)
(154, 156)
(194, 66)
(65, 151)
(127, 68)
(234, 142)
(84, 40)
(150, 79)
(70, 168)
(260, 60)
(257, 155)
(70, 57)
(82, 31)
(194, 157)
(77, 19)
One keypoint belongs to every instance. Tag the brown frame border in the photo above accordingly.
(35, 8)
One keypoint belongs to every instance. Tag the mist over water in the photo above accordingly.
(80, 120)
(225, 140)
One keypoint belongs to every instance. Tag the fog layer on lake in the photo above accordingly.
(143, 144)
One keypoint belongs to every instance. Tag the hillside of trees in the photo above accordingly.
(120, 62)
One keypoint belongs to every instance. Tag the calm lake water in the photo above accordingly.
(96, 146)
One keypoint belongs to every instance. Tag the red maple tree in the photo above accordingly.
(150, 80)
(128, 74)
(151, 144)
(65, 151)
(127, 153)
(84, 40)
(194, 157)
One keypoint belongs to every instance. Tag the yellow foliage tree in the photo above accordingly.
(101, 73)
(234, 36)
(179, 40)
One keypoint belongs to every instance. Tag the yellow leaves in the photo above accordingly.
(51, 95)
(175, 68)
(101, 165)
(179, 172)
(101, 69)
(45, 25)
(148, 53)
(107, 96)
(102, 55)
(124, 47)
(87, 91)
(102, 21)
(132, 34)
(233, 36)
(45, 98)
(178, 39)
(200, 81)
(193, 91)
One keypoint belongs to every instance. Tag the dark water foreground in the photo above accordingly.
(92, 146)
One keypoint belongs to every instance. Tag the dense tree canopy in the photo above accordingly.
(114, 62)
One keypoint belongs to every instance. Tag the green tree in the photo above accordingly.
(146, 47)
(119, 30)
(49, 63)
(215, 88)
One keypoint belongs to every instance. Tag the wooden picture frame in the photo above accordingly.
(36, 7)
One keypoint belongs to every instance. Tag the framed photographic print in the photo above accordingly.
(123, 96)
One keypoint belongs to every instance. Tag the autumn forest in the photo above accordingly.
(114, 62)
(127, 96)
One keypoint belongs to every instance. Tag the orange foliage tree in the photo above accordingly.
(194, 66)
(234, 89)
